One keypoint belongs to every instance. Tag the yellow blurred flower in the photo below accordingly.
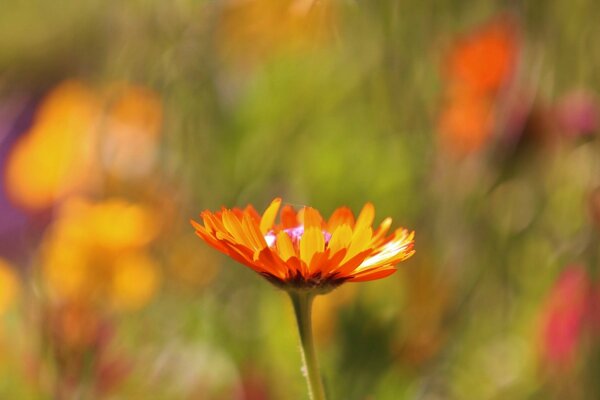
(53, 158)
(9, 286)
(130, 141)
(97, 252)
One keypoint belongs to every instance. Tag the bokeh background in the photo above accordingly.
(473, 123)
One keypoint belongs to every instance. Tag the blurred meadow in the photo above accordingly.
(473, 123)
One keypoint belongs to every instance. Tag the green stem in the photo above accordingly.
(302, 301)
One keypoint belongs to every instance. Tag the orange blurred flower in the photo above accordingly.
(303, 251)
(130, 140)
(250, 30)
(53, 158)
(484, 59)
(96, 253)
(478, 65)
(466, 123)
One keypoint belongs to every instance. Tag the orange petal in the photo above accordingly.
(334, 262)
(319, 262)
(312, 218)
(251, 211)
(295, 267)
(196, 225)
(288, 217)
(379, 234)
(272, 263)
(212, 241)
(378, 274)
(341, 216)
(237, 212)
(241, 254)
(348, 267)
(212, 221)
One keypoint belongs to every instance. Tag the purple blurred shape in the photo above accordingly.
(16, 116)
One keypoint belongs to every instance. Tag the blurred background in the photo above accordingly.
(473, 124)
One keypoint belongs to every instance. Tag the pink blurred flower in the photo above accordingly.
(564, 317)
(578, 113)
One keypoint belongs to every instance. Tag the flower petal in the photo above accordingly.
(253, 233)
(268, 217)
(312, 242)
(379, 234)
(285, 247)
(348, 266)
(361, 240)
(289, 218)
(341, 216)
(377, 274)
(365, 218)
(312, 218)
(234, 227)
(340, 238)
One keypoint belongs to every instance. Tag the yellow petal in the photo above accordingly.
(340, 239)
(312, 242)
(268, 217)
(383, 229)
(234, 226)
(360, 241)
(365, 218)
(254, 235)
(285, 246)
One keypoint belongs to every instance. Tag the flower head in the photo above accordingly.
(303, 251)
(97, 253)
(484, 59)
(53, 158)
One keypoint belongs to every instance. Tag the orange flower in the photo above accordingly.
(466, 123)
(483, 60)
(303, 251)
(251, 31)
(477, 67)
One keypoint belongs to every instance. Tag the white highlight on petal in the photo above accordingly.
(389, 251)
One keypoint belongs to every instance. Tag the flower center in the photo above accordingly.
(295, 234)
